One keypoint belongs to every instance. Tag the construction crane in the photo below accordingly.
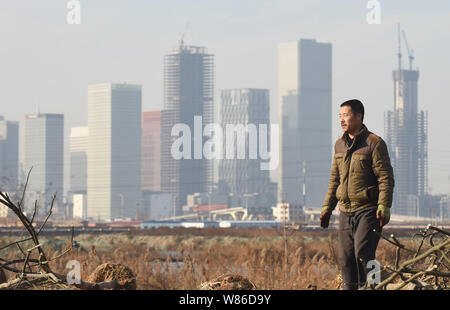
(410, 52)
(399, 54)
(182, 35)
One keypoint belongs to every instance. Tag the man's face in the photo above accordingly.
(349, 121)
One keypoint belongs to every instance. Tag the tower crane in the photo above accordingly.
(410, 52)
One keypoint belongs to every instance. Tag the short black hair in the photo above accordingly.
(356, 105)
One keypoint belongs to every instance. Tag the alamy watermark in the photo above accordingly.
(374, 15)
(237, 138)
(73, 17)
(374, 275)
(74, 274)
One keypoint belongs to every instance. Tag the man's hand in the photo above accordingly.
(325, 216)
(383, 214)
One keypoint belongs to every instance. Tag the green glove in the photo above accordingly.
(325, 216)
(383, 214)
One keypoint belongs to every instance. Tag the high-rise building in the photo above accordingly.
(9, 155)
(406, 136)
(44, 153)
(248, 108)
(444, 207)
(305, 108)
(114, 150)
(78, 159)
(151, 151)
(188, 95)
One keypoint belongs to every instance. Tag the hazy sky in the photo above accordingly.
(45, 61)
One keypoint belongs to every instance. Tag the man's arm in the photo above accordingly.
(381, 165)
(330, 198)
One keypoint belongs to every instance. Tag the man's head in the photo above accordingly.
(351, 116)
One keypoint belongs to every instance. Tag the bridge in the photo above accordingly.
(235, 214)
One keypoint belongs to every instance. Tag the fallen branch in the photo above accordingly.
(412, 261)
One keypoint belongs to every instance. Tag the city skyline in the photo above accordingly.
(375, 89)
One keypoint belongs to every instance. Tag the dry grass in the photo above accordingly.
(200, 256)
(114, 272)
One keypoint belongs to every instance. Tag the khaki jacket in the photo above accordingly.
(361, 173)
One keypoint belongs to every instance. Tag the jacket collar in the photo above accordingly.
(357, 137)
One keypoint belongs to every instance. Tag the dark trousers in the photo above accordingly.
(357, 245)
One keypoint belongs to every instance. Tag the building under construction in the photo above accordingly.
(406, 134)
(188, 93)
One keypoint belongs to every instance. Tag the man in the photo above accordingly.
(362, 180)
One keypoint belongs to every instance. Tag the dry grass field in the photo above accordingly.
(185, 258)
